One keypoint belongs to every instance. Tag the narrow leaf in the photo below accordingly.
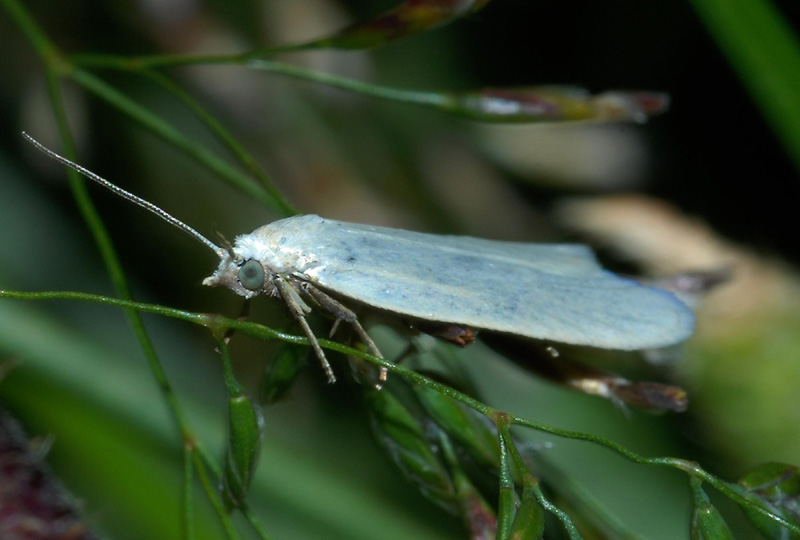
(775, 487)
(402, 434)
(410, 17)
(245, 429)
(529, 521)
(244, 443)
(469, 429)
(764, 50)
(479, 517)
(707, 523)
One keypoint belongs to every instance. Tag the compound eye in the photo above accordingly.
(251, 275)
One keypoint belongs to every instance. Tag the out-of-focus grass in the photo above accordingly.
(764, 50)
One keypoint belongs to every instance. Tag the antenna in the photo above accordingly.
(166, 216)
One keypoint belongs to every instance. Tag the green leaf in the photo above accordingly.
(245, 430)
(479, 517)
(402, 435)
(763, 49)
(245, 425)
(471, 430)
(707, 523)
(529, 522)
(775, 487)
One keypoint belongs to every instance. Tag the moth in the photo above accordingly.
(550, 292)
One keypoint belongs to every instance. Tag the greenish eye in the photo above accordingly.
(251, 275)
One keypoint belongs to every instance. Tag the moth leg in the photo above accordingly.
(342, 313)
(299, 310)
(242, 317)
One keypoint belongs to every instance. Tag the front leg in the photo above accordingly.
(300, 310)
(342, 313)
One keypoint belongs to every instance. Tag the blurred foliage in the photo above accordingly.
(78, 375)
(771, 70)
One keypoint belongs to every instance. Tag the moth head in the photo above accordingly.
(245, 277)
(244, 268)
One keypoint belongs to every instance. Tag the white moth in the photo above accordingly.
(552, 292)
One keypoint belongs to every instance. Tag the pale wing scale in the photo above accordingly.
(551, 292)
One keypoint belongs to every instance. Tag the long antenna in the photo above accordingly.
(166, 216)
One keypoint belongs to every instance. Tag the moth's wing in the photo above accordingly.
(551, 292)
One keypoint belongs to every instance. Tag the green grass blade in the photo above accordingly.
(765, 52)
(168, 132)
